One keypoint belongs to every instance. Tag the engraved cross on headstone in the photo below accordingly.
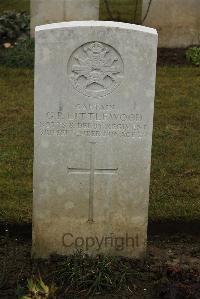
(92, 171)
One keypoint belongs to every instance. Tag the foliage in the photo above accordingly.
(81, 276)
(94, 275)
(22, 55)
(84, 276)
(14, 26)
(36, 289)
(193, 55)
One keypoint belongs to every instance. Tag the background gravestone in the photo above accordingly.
(50, 11)
(94, 103)
(177, 21)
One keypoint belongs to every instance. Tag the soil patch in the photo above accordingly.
(171, 270)
(176, 56)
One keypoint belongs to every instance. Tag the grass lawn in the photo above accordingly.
(174, 193)
(16, 139)
(122, 10)
(17, 5)
(175, 175)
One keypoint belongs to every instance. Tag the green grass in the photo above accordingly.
(84, 276)
(22, 55)
(176, 146)
(17, 5)
(122, 10)
(174, 190)
(16, 139)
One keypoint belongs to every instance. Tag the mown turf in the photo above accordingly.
(17, 5)
(121, 10)
(174, 190)
(175, 175)
(16, 144)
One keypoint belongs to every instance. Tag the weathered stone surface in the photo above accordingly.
(177, 21)
(81, 10)
(94, 103)
(50, 11)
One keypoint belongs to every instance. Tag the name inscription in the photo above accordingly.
(94, 121)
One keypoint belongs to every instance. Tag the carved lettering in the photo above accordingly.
(94, 120)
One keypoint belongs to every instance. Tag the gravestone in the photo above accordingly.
(50, 11)
(94, 104)
(177, 21)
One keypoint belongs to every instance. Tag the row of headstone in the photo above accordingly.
(94, 104)
(50, 11)
(176, 27)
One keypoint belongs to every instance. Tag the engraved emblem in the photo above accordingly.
(95, 69)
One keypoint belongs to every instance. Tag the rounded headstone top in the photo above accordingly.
(108, 24)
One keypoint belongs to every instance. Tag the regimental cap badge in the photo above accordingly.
(95, 69)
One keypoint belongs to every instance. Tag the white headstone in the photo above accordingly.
(94, 104)
(50, 11)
